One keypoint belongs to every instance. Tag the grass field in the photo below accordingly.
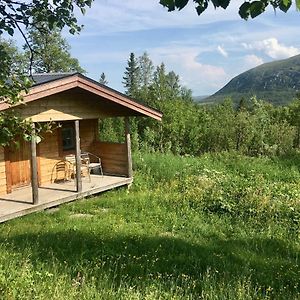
(215, 227)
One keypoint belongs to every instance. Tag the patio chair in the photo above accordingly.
(60, 169)
(94, 162)
(71, 159)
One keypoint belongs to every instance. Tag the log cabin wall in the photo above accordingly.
(48, 156)
(2, 172)
(50, 149)
(88, 134)
(113, 157)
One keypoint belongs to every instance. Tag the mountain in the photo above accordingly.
(201, 99)
(277, 82)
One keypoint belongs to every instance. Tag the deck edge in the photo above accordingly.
(76, 196)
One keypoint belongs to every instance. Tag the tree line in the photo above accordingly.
(254, 127)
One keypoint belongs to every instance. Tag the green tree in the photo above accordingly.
(131, 76)
(51, 52)
(294, 119)
(243, 129)
(21, 15)
(18, 60)
(160, 84)
(251, 8)
(103, 79)
(173, 83)
(186, 94)
(146, 69)
(15, 15)
(12, 69)
(12, 80)
(166, 85)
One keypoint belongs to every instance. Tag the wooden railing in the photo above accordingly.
(113, 156)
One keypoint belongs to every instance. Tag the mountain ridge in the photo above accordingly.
(277, 82)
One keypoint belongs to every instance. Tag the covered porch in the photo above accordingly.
(30, 179)
(19, 202)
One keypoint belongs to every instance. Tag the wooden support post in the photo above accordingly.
(34, 169)
(128, 148)
(78, 158)
(7, 170)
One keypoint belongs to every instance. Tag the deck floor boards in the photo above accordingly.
(19, 202)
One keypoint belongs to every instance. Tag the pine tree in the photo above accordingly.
(103, 79)
(131, 76)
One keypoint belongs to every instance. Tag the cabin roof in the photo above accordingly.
(48, 84)
(40, 78)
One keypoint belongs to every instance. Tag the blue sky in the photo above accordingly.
(206, 51)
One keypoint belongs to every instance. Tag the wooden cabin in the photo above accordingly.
(29, 174)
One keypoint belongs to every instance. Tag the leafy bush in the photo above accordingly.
(260, 188)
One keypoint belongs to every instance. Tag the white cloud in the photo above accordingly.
(222, 51)
(272, 48)
(195, 75)
(132, 15)
(252, 61)
(113, 30)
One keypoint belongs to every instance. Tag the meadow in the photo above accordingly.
(218, 226)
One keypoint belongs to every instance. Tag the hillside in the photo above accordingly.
(277, 82)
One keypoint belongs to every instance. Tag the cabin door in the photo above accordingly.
(19, 158)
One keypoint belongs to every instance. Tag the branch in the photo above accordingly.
(28, 45)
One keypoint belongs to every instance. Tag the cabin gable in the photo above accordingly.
(75, 104)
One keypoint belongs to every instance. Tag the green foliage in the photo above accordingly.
(259, 189)
(188, 128)
(112, 130)
(59, 13)
(294, 119)
(253, 127)
(12, 80)
(161, 240)
(20, 16)
(51, 52)
(165, 86)
(131, 76)
(247, 9)
(146, 69)
(11, 127)
(12, 70)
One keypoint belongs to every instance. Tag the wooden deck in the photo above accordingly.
(18, 203)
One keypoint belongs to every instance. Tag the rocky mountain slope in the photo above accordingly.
(277, 82)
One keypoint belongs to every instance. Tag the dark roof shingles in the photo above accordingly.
(47, 77)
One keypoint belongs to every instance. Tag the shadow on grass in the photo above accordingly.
(268, 262)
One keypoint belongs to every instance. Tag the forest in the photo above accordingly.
(253, 127)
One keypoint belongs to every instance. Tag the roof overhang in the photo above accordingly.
(43, 90)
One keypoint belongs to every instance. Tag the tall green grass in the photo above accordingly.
(189, 228)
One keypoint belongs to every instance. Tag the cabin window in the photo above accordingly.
(68, 138)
